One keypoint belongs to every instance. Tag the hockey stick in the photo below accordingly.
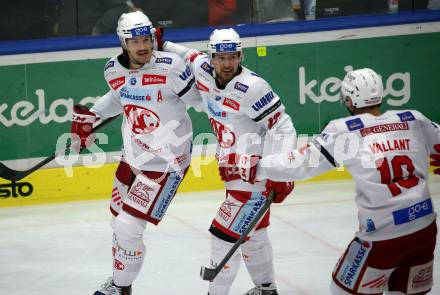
(15, 175)
(208, 274)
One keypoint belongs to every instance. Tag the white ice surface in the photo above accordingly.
(66, 248)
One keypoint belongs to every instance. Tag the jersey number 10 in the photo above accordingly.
(393, 182)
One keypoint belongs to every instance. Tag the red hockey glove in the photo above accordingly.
(281, 189)
(158, 34)
(82, 127)
(436, 159)
(235, 166)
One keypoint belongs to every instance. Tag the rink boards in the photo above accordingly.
(53, 185)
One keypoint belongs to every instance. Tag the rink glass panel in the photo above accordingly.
(36, 99)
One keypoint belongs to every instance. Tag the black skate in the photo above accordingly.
(263, 289)
(108, 288)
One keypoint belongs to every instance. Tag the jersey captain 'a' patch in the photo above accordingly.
(354, 124)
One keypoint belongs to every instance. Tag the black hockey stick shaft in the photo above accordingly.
(15, 175)
(208, 274)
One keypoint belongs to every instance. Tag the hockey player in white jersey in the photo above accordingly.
(243, 110)
(151, 89)
(386, 154)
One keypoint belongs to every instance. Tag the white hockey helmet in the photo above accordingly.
(224, 40)
(364, 87)
(133, 24)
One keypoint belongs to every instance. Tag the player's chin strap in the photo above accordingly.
(209, 274)
(15, 175)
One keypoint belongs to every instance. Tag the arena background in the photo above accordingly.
(303, 61)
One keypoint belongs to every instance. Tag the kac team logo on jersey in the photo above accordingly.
(141, 120)
(225, 136)
(132, 81)
(148, 79)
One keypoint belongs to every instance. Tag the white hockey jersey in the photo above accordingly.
(156, 128)
(387, 156)
(241, 114)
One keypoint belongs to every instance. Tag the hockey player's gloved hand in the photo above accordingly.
(436, 159)
(159, 38)
(234, 166)
(281, 189)
(82, 127)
